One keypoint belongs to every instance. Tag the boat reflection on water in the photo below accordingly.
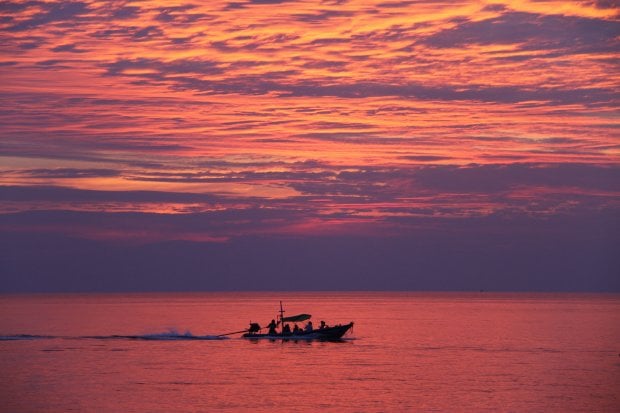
(324, 332)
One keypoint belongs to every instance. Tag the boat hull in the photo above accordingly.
(329, 333)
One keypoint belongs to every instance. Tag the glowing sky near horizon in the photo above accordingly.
(306, 117)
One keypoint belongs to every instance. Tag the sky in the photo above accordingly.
(309, 145)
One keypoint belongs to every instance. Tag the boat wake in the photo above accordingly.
(167, 336)
(15, 337)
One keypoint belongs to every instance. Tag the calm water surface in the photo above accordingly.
(408, 352)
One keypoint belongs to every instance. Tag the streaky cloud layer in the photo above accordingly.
(131, 123)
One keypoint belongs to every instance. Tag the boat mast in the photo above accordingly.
(281, 318)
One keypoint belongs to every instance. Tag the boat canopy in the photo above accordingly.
(297, 318)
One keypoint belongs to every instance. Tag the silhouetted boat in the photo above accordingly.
(324, 332)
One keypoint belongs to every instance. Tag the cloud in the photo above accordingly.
(269, 1)
(322, 15)
(70, 47)
(261, 85)
(335, 65)
(495, 7)
(426, 158)
(180, 15)
(493, 178)
(242, 176)
(126, 12)
(65, 173)
(16, 7)
(532, 32)
(235, 6)
(149, 227)
(130, 33)
(575, 253)
(54, 63)
(148, 32)
(360, 137)
(603, 4)
(459, 185)
(61, 12)
(59, 194)
(30, 45)
(161, 69)
(264, 44)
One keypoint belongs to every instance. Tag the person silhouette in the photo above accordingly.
(272, 327)
(308, 327)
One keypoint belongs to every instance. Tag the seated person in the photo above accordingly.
(296, 329)
(308, 327)
(254, 328)
(286, 329)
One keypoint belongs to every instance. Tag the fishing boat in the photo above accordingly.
(323, 332)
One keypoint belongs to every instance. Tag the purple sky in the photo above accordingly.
(332, 145)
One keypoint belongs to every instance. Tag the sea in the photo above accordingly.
(408, 352)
